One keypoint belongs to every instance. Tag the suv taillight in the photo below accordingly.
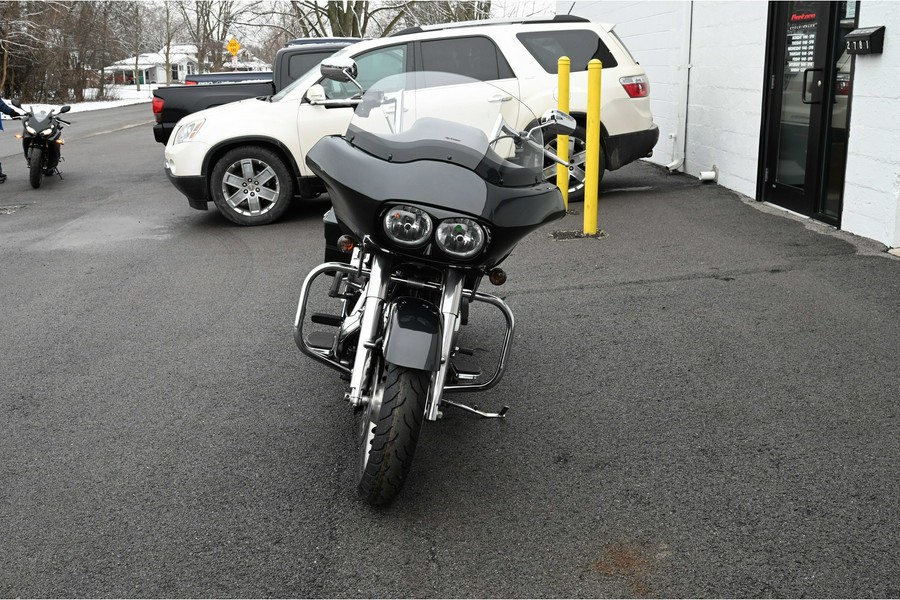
(636, 87)
(158, 108)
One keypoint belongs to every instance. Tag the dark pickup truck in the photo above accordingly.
(228, 77)
(170, 104)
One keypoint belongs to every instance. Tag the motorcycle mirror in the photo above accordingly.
(556, 122)
(17, 103)
(340, 69)
(371, 100)
(65, 109)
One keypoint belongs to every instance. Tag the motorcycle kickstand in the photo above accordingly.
(474, 410)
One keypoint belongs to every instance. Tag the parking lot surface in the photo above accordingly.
(703, 403)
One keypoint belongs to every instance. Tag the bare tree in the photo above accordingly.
(433, 12)
(162, 27)
(137, 30)
(318, 18)
(208, 23)
(20, 38)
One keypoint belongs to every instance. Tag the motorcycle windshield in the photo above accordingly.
(39, 120)
(450, 118)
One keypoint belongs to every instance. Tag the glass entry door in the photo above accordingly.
(807, 100)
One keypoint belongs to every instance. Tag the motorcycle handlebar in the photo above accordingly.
(548, 154)
(523, 136)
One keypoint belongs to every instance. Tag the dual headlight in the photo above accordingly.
(32, 131)
(411, 227)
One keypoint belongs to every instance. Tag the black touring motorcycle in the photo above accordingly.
(436, 180)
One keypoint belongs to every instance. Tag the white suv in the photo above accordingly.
(248, 157)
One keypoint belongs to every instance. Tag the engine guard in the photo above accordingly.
(413, 335)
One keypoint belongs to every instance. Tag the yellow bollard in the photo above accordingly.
(592, 151)
(562, 141)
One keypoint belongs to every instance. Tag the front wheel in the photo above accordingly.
(36, 169)
(251, 186)
(390, 431)
(578, 154)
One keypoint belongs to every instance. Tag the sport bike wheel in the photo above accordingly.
(251, 186)
(36, 171)
(577, 145)
(390, 431)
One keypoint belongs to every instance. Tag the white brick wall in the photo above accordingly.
(872, 188)
(727, 56)
(724, 107)
(655, 34)
(725, 102)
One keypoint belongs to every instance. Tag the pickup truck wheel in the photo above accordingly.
(251, 186)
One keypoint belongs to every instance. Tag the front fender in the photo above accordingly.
(413, 334)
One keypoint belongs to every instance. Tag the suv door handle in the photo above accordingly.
(500, 98)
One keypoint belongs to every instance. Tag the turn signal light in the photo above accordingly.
(497, 276)
(345, 244)
(60, 141)
(18, 136)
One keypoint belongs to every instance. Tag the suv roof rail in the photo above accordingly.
(461, 24)
(322, 40)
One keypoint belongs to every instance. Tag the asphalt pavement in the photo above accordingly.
(703, 404)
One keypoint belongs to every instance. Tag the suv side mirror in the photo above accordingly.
(556, 122)
(315, 94)
(340, 69)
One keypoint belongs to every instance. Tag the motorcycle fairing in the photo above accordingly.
(361, 186)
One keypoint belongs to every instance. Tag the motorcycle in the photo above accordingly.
(435, 181)
(41, 141)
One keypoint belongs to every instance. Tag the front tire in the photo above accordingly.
(251, 186)
(390, 431)
(36, 170)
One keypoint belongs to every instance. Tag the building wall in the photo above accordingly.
(706, 64)
(872, 188)
(728, 62)
(725, 44)
(655, 34)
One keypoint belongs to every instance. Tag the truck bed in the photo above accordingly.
(172, 103)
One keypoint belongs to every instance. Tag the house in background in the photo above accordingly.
(776, 98)
(151, 66)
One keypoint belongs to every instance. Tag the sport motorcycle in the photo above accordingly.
(435, 181)
(41, 141)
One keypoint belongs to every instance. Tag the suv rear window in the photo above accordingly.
(580, 45)
(475, 57)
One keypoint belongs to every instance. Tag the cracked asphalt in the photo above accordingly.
(703, 404)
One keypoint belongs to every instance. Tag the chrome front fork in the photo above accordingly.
(367, 318)
(451, 298)
(376, 292)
